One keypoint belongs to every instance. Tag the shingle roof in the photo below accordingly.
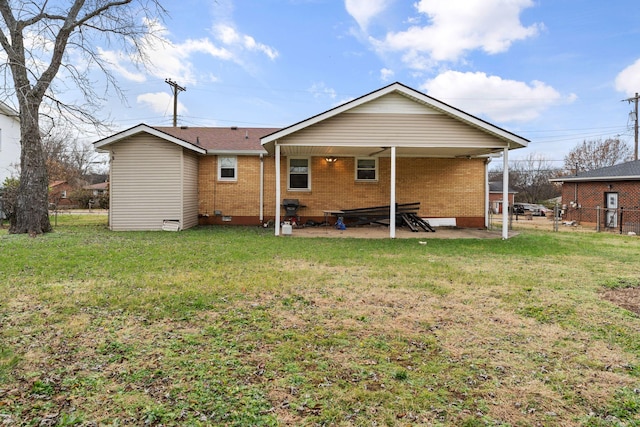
(620, 172)
(496, 187)
(220, 138)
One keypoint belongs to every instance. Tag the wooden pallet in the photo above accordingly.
(406, 213)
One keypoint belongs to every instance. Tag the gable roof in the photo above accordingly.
(56, 183)
(202, 140)
(513, 140)
(6, 110)
(629, 171)
(497, 186)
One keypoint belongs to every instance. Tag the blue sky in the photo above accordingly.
(552, 71)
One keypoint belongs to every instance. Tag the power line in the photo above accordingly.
(635, 126)
(176, 88)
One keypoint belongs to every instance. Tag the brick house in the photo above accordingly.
(496, 195)
(601, 195)
(393, 145)
(60, 195)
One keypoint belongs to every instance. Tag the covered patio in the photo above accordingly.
(397, 125)
(382, 232)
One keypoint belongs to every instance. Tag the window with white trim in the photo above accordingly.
(367, 169)
(227, 168)
(299, 174)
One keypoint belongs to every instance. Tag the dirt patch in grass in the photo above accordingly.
(627, 298)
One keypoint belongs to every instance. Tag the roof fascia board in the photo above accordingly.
(6, 110)
(142, 128)
(597, 178)
(237, 152)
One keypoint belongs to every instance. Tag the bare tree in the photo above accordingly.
(37, 38)
(66, 158)
(530, 178)
(596, 154)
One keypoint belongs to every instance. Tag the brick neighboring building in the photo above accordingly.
(496, 194)
(614, 190)
(60, 195)
(392, 146)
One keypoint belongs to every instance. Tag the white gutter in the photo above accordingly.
(596, 178)
(261, 189)
(277, 224)
(486, 193)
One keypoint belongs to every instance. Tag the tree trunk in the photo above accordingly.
(32, 213)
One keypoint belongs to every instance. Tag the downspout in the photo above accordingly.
(486, 192)
(277, 224)
(392, 206)
(505, 194)
(261, 189)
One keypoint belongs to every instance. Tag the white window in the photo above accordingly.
(63, 194)
(227, 168)
(299, 176)
(366, 169)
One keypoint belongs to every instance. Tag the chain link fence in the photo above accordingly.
(598, 219)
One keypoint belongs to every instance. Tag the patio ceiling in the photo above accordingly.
(376, 151)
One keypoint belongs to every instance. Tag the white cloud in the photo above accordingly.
(167, 59)
(160, 102)
(121, 64)
(628, 81)
(493, 97)
(321, 90)
(459, 26)
(229, 36)
(364, 10)
(386, 74)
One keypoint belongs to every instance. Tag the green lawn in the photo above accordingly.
(234, 326)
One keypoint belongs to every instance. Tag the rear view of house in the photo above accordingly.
(393, 145)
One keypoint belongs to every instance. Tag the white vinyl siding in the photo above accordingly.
(150, 181)
(381, 130)
(190, 190)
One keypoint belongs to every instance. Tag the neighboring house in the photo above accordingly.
(9, 141)
(60, 194)
(97, 190)
(602, 194)
(496, 194)
(393, 145)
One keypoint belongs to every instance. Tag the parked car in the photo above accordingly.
(529, 208)
(543, 210)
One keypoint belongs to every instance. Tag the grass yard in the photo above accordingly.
(233, 326)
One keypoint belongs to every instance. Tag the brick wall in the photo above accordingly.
(495, 201)
(589, 195)
(445, 188)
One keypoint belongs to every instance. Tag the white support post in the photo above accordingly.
(261, 189)
(505, 195)
(487, 205)
(277, 224)
(392, 205)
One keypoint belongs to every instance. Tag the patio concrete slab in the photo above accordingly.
(382, 232)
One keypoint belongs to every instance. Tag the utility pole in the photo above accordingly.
(177, 88)
(635, 125)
